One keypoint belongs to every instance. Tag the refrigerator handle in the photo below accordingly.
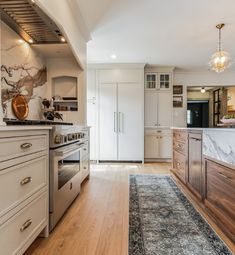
(120, 122)
(115, 122)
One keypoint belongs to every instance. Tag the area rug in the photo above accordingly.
(163, 222)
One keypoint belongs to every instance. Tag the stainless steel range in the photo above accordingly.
(69, 166)
(69, 163)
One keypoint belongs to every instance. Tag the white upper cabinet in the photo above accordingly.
(151, 109)
(165, 109)
(158, 81)
(164, 81)
(151, 81)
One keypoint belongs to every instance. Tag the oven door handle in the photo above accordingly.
(65, 153)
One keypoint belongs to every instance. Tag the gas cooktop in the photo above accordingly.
(11, 122)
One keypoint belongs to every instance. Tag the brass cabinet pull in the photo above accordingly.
(26, 225)
(26, 180)
(26, 145)
(224, 176)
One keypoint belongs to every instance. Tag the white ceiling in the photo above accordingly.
(178, 33)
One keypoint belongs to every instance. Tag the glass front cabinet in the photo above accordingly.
(157, 81)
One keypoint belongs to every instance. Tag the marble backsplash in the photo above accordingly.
(22, 71)
(220, 144)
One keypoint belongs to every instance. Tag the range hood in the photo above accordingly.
(30, 22)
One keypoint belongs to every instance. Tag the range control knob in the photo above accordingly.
(58, 139)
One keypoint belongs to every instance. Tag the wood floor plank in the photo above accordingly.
(97, 221)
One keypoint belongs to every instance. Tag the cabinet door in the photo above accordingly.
(164, 81)
(151, 147)
(108, 122)
(92, 123)
(91, 84)
(195, 164)
(131, 121)
(165, 109)
(165, 145)
(151, 81)
(151, 108)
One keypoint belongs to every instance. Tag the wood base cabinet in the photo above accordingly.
(180, 155)
(220, 195)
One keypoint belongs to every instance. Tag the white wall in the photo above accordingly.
(62, 12)
(69, 66)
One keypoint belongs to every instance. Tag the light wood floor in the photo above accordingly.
(97, 222)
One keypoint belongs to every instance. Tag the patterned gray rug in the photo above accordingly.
(163, 222)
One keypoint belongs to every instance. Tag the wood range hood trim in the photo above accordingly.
(30, 22)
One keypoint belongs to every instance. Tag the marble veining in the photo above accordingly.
(219, 145)
(23, 72)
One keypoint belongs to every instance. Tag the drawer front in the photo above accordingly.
(21, 146)
(180, 165)
(18, 230)
(21, 181)
(180, 135)
(180, 147)
(220, 189)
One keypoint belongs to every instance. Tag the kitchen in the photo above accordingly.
(97, 152)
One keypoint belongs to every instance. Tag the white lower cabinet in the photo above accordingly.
(24, 227)
(158, 144)
(24, 180)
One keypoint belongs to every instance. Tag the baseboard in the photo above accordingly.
(158, 160)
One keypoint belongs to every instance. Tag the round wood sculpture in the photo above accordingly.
(20, 107)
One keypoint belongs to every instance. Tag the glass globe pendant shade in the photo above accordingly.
(220, 61)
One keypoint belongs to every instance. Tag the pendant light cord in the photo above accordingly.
(219, 39)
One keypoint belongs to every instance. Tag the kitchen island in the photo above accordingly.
(204, 165)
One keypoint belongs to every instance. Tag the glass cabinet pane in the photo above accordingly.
(151, 81)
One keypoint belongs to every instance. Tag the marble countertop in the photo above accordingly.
(205, 129)
(156, 127)
(23, 128)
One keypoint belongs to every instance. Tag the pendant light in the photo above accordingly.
(220, 60)
(203, 90)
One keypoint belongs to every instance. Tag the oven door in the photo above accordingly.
(65, 179)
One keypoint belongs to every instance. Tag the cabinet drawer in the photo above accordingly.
(21, 181)
(180, 146)
(16, 232)
(180, 165)
(21, 146)
(220, 194)
(180, 135)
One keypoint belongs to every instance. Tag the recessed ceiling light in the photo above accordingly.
(21, 41)
(30, 40)
(62, 39)
(113, 56)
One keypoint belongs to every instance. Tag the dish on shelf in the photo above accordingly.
(228, 121)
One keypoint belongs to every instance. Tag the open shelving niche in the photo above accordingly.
(66, 86)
